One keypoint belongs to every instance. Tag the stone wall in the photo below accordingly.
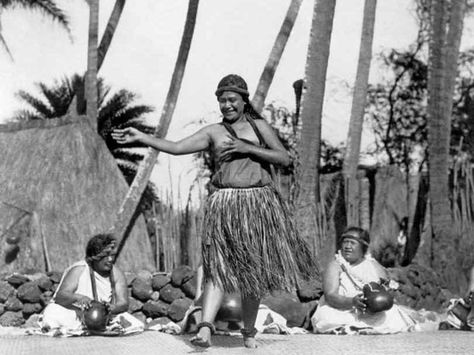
(160, 297)
(420, 287)
(153, 297)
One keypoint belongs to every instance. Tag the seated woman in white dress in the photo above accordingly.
(76, 291)
(342, 309)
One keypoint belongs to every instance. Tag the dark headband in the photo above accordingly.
(233, 88)
(355, 237)
(106, 251)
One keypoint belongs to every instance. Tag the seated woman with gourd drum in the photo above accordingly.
(356, 293)
(92, 296)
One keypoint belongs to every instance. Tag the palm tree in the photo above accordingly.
(92, 60)
(308, 200)
(47, 7)
(351, 159)
(115, 111)
(127, 209)
(275, 55)
(107, 36)
(109, 31)
(443, 55)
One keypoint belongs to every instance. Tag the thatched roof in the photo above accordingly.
(59, 181)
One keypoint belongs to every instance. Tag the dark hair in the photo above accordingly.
(249, 110)
(98, 243)
(359, 234)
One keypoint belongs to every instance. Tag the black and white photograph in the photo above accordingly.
(236, 177)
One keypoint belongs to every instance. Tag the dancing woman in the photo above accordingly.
(249, 241)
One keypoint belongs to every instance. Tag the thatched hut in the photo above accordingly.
(59, 185)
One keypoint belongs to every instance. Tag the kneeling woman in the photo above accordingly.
(343, 309)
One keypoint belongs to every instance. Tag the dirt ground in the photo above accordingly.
(150, 342)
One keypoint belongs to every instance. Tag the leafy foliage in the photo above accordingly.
(287, 127)
(396, 109)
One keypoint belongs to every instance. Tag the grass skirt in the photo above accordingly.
(251, 244)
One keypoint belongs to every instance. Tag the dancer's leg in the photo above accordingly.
(211, 301)
(249, 316)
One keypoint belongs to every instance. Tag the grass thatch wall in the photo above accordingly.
(59, 180)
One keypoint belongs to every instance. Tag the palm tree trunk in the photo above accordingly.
(126, 211)
(91, 75)
(443, 54)
(351, 159)
(110, 30)
(103, 47)
(275, 55)
(307, 203)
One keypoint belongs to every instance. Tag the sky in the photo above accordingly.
(231, 36)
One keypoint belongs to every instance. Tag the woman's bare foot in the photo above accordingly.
(249, 337)
(202, 338)
(250, 342)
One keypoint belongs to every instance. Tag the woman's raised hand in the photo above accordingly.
(127, 135)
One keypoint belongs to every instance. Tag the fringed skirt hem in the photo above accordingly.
(251, 244)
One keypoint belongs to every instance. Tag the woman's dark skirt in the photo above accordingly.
(250, 243)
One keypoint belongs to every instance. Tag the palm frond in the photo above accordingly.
(36, 104)
(26, 115)
(58, 96)
(118, 102)
(128, 155)
(126, 166)
(47, 7)
(130, 113)
(141, 125)
(3, 43)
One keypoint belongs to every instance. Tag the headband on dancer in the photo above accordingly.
(234, 83)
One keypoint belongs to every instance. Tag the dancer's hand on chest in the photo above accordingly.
(233, 145)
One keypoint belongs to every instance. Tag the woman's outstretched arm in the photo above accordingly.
(194, 143)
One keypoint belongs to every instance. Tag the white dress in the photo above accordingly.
(68, 321)
(328, 319)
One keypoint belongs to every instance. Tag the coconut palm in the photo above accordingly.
(47, 7)
(308, 200)
(108, 34)
(92, 60)
(127, 209)
(115, 111)
(443, 55)
(351, 159)
(275, 55)
(109, 31)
